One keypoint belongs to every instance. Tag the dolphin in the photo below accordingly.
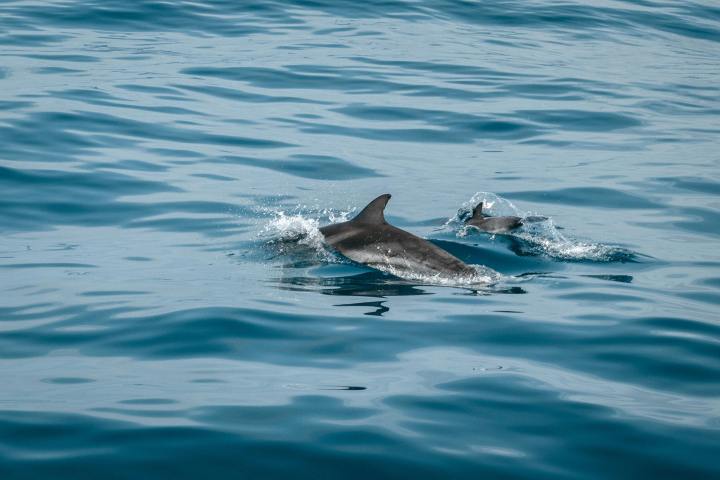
(370, 240)
(492, 224)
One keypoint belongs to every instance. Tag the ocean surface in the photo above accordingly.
(168, 308)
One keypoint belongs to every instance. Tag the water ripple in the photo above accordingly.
(168, 303)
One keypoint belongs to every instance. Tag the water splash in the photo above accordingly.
(538, 236)
(492, 203)
(296, 233)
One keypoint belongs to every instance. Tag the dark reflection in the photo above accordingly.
(543, 275)
(613, 278)
(511, 290)
(491, 291)
(344, 387)
(366, 284)
(379, 307)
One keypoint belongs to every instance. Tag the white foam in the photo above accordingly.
(285, 232)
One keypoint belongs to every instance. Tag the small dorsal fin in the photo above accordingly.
(477, 212)
(373, 212)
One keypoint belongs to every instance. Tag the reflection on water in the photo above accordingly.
(379, 307)
(375, 284)
(366, 284)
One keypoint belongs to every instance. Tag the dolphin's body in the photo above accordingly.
(492, 224)
(370, 240)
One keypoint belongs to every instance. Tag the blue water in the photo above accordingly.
(168, 309)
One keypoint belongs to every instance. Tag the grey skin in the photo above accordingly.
(370, 240)
(492, 224)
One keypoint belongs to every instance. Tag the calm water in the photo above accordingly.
(167, 308)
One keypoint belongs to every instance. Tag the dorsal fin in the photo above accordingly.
(477, 212)
(373, 213)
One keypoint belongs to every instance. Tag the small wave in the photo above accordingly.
(539, 235)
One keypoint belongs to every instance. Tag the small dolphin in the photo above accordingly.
(370, 240)
(492, 224)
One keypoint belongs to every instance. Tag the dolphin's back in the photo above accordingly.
(493, 224)
(370, 240)
(497, 224)
(389, 246)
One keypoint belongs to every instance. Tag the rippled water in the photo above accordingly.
(167, 307)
